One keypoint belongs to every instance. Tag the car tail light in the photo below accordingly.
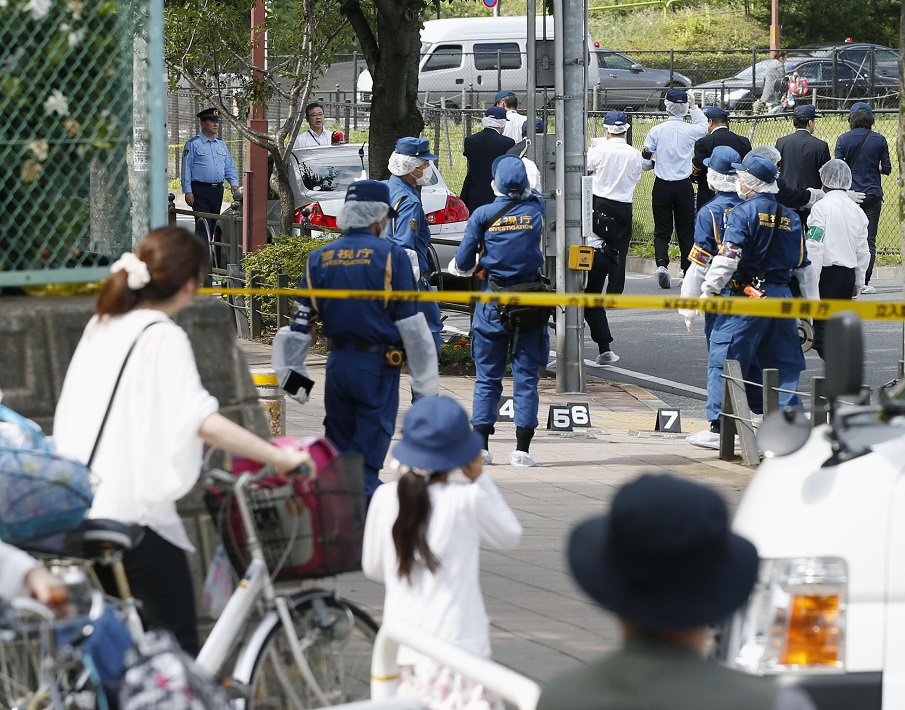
(454, 211)
(316, 216)
(794, 619)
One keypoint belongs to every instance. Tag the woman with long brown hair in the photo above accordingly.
(133, 407)
(422, 539)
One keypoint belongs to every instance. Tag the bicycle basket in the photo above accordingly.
(307, 530)
(41, 494)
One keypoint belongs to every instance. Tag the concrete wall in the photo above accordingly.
(39, 335)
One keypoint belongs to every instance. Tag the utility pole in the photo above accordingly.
(570, 49)
(254, 201)
(774, 25)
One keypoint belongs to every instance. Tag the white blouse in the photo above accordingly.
(149, 455)
(446, 603)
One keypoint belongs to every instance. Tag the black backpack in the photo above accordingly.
(781, 85)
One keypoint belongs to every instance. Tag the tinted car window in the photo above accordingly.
(320, 173)
(611, 60)
(485, 56)
(810, 71)
(445, 56)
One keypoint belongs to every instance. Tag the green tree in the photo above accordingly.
(208, 45)
(815, 21)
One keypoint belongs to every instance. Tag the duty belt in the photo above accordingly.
(393, 354)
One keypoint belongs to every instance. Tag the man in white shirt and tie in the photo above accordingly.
(616, 167)
(514, 120)
(315, 135)
(672, 198)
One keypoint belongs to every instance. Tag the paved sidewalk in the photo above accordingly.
(541, 623)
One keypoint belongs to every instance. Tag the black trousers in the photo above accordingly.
(208, 198)
(159, 576)
(835, 282)
(871, 207)
(618, 235)
(673, 204)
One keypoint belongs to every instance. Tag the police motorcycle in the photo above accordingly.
(826, 511)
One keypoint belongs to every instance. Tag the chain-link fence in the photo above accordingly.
(73, 137)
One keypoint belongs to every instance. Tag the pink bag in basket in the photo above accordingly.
(308, 529)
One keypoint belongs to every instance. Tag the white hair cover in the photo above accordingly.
(400, 164)
(357, 215)
(719, 182)
(756, 184)
(674, 109)
(491, 122)
(836, 175)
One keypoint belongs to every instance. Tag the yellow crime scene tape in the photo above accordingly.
(736, 306)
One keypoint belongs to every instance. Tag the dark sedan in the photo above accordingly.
(838, 81)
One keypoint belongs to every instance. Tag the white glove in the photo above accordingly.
(454, 269)
(721, 270)
(691, 288)
(288, 353)
(856, 197)
(691, 102)
(416, 269)
(856, 291)
(816, 196)
(689, 322)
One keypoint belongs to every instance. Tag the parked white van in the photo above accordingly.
(467, 61)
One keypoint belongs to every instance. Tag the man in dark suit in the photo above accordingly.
(664, 561)
(802, 153)
(481, 149)
(719, 134)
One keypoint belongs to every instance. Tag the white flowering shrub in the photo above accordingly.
(66, 98)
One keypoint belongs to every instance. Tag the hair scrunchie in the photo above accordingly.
(136, 270)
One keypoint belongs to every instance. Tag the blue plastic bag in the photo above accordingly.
(41, 493)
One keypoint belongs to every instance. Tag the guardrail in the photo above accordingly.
(509, 685)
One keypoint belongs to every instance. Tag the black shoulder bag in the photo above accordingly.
(854, 157)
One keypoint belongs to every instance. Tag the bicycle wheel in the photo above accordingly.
(20, 671)
(337, 639)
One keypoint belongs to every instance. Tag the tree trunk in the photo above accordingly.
(394, 106)
(284, 187)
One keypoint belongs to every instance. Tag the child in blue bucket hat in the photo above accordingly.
(422, 540)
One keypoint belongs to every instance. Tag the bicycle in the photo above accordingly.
(312, 648)
(309, 649)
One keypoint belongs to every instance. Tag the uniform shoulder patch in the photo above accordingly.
(413, 224)
(185, 152)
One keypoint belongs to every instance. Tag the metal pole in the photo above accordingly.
(157, 119)
(531, 79)
(571, 52)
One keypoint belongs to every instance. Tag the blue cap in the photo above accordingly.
(509, 174)
(502, 95)
(418, 147)
(805, 111)
(757, 165)
(722, 160)
(496, 112)
(436, 436)
(615, 118)
(369, 191)
(677, 96)
(715, 113)
(860, 106)
(539, 127)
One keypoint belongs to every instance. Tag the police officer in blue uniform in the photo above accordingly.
(206, 163)
(507, 235)
(411, 168)
(762, 245)
(367, 338)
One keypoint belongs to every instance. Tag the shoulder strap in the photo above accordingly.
(854, 157)
(763, 266)
(113, 394)
(490, 222)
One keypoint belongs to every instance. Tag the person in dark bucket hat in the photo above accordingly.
(664, 560)
(422, 540)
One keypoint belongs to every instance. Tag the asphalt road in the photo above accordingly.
(657, 353)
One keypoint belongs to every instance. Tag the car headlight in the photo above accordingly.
(794, 619)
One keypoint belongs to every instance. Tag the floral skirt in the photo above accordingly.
(441, 688)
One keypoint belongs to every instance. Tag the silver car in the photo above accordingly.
(321, 176)
(624, 82)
